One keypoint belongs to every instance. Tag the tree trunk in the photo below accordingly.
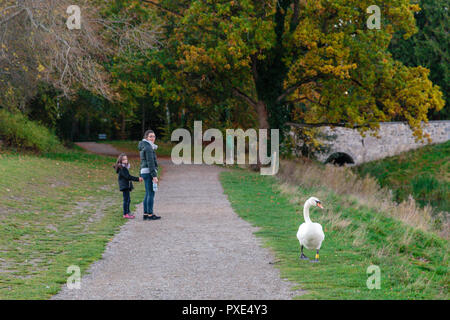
(122, 129)
(263, 119)
(74, 131)
(168, 118)
(87, 131)
(143, 120)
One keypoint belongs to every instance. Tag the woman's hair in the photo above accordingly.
(118, 164)
(147, 133)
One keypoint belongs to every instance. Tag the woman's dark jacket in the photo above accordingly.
(148, 157)
(125, 179)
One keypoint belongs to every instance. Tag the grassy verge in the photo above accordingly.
(424, 173)
(413, 263)
(56, 210)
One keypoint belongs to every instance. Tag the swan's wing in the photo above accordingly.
(319, 230)
(300, 231)
(303, 227)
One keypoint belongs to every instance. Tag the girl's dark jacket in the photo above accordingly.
(125, 179)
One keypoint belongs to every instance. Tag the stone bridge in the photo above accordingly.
(348, 146)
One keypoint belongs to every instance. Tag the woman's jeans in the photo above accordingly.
(126, 202)
(149, 193)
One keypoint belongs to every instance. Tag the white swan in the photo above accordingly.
(310, 234)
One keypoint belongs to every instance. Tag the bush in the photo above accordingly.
(19, 132)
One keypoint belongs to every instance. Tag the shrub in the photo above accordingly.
(17, 131)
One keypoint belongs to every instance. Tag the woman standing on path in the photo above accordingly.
(149, 169)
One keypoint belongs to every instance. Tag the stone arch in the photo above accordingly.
(340, 159)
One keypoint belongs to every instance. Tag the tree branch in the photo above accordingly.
(213, 32)
(294, 87)
(303, 97)
(295, 16)
(239, 93)
(162, 8)
(12, 16)
(254, 69)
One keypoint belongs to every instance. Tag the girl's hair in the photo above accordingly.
(118, 164)
(147, 133)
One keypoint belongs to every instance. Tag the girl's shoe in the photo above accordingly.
(127, 216)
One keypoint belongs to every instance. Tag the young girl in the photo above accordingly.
(125, 184)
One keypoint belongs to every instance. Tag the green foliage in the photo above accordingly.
(428, 47)
(44, 107)
(18, 132)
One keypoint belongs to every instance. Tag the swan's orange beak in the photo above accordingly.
(319, 205)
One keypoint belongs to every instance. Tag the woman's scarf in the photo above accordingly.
(154, 146)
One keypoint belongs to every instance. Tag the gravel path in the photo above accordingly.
(99, 148)
(200, 249)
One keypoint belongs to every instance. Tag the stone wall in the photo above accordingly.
(395, 137)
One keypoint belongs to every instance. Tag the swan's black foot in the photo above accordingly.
(303, 257)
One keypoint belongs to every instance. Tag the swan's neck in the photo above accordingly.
(306, 212)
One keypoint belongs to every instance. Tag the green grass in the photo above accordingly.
(414, 264)
(424, 173)
(56, 210)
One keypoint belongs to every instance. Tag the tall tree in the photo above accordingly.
(275, 54)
